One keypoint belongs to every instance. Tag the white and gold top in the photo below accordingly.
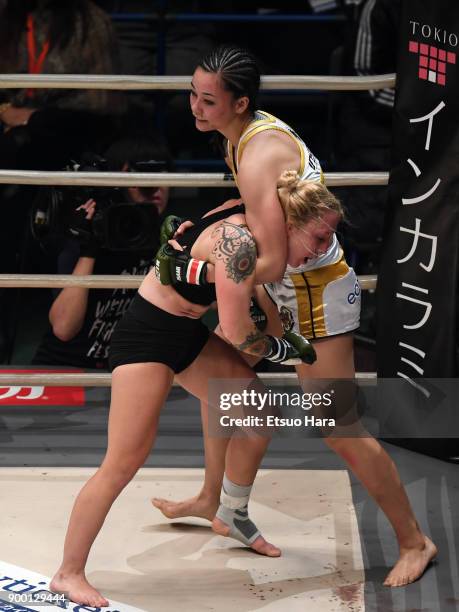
(309, 170)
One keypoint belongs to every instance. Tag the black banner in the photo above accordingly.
(418, 277)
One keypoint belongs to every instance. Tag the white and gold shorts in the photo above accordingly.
(320, 302)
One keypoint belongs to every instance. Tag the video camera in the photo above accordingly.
(117, 225)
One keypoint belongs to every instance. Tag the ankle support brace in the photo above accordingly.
(233, 511)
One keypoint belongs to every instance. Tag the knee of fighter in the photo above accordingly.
(119, 475)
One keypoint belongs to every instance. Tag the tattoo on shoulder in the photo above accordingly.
(255, 343)
(235, 246)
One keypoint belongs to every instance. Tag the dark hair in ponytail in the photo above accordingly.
(238, 70)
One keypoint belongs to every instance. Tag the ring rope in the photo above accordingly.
(289, 379)
(113, 281)
(109, 281)
(182, 83)
(161, 179)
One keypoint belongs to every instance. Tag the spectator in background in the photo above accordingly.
(82, 320)
(53, 37)
(41, 129)
(365, 126)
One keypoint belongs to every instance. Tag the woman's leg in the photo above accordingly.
(373, 466)
(218, 360)
(206, 502)
(138, 394)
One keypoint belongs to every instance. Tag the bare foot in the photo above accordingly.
(260, 545)
(412, 564)
(195, 506)
(76, 588)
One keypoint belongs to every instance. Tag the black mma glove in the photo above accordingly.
(81, 229)
(174, 266)
(291, 349)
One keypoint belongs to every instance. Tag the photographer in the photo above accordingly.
(105, 236)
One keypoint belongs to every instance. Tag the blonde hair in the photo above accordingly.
(305, 200)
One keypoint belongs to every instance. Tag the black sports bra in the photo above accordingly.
(205, 294)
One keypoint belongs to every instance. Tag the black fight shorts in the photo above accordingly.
(148, 334)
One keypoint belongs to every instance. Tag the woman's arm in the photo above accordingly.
(266, 221)
(234, 255)
(12, 116)
(69, 308)
(68, 311)
(258, 187)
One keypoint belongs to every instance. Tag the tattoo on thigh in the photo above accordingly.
(235, 246)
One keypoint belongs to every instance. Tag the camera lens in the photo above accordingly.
(131, 226)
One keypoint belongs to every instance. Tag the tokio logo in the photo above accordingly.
(432, 60)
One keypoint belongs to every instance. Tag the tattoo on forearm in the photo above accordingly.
(235, 246)
(255, 343)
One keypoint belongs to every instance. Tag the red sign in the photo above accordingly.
(432, 61)
(23, 395)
